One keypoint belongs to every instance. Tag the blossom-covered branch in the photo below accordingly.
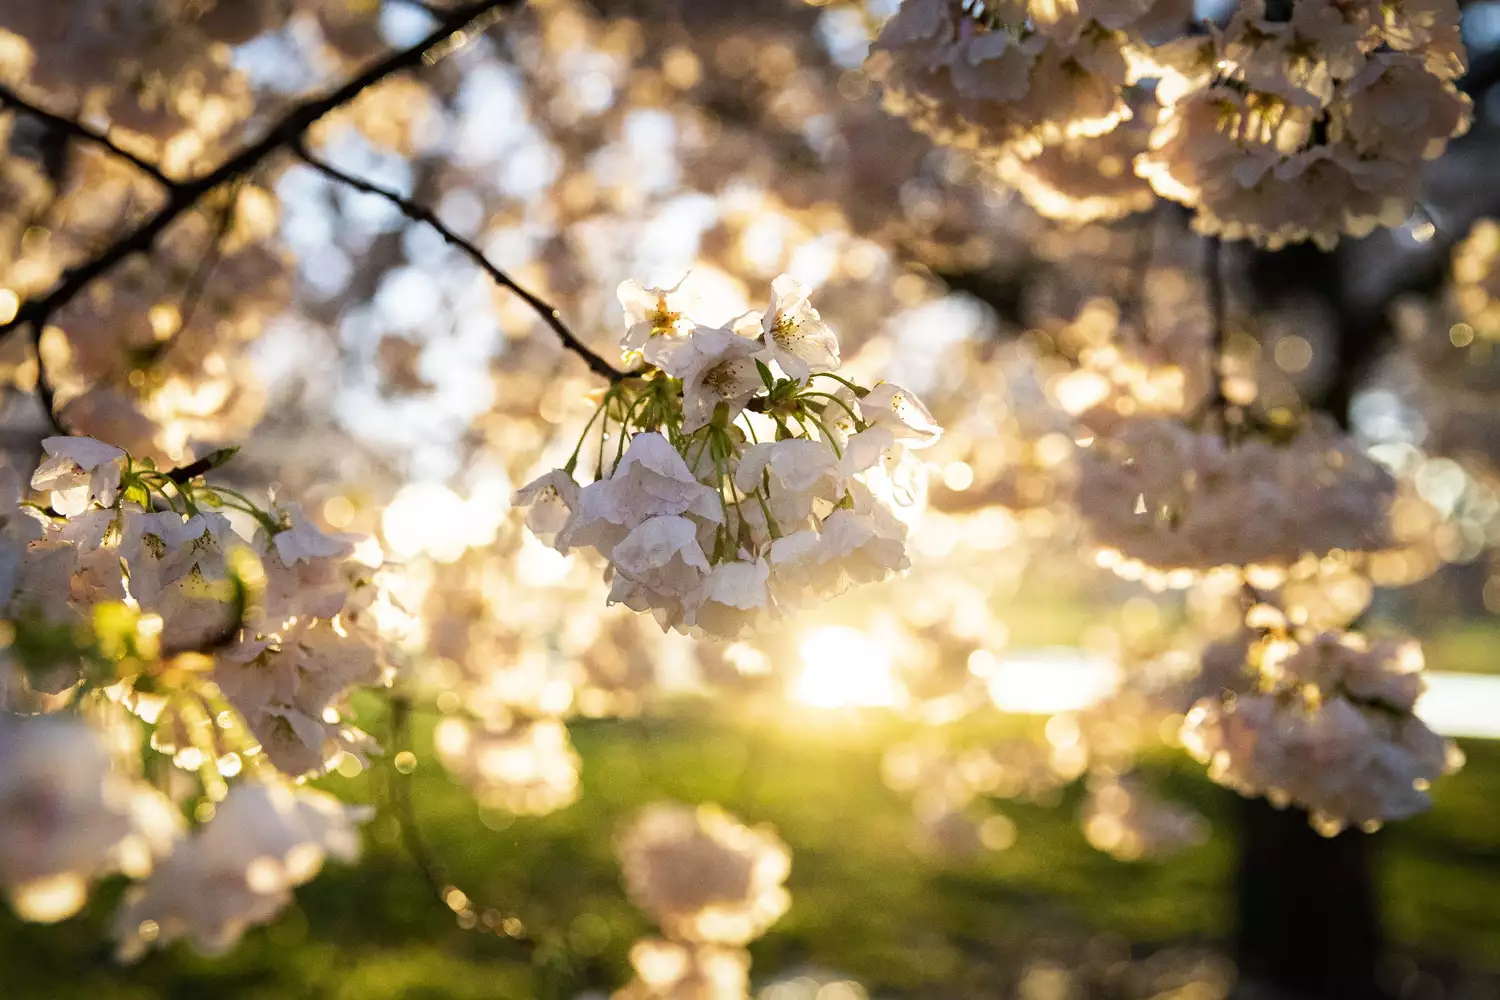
(424, 215)
(185, 195)
(77, 130)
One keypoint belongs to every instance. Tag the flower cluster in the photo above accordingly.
(1307, 127)
(1159, 495)
(239, 869)
(1330, 729)
(1302, 123)
(67, 816)
(118, 531)
(703, 876)
(1009, 77)
(146, 599)
(736, 487)
(712, 885)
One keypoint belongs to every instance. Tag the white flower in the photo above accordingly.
(663, 555)
(144, 548)
(66, 816)
(866, 547)
(800, 471)
(1341, 33)
(1429, 28)
(703, 876)
(732, 599)
(865, 449)
(652, 313)
(801, 568)
(901, 412)
(548, 501)
(1270, 57)
(716, 366)
(285, 689)
(796, 337)
(238, 870)
(299, 539)
(196, 545)
(1395, 108)
(651, 480)
(79, 471)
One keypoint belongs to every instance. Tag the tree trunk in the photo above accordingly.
(1308, 926)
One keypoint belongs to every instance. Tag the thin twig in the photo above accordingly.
(424, 215)
(197, 283)
(289, 130)
(10, 99)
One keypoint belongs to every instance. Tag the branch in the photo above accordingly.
(424, 215)
(197, 283)
(10, 99)
(289, 131)
(45, 390)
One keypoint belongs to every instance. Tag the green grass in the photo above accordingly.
(864, 901)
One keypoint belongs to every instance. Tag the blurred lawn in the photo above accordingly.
(864, 902)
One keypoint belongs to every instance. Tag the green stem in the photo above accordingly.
(837, 378)
(827, 437)
(845, 406)
(578, 448)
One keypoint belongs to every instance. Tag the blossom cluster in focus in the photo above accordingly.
(743, 477)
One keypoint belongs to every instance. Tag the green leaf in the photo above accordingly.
(765, 374)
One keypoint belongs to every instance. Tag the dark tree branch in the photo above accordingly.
(185, 195)
(424, 215)
(77, 130)
(45, 390)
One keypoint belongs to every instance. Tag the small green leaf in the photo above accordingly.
(765, 374)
